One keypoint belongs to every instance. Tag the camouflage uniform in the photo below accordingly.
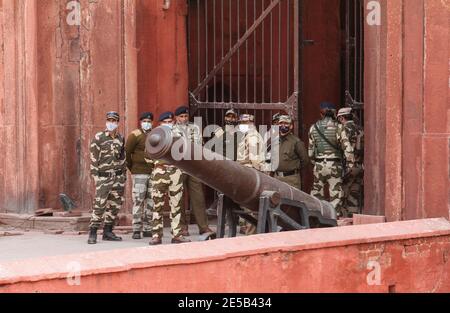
(142, 187)
(250, 153)
(353, 184)
(109, 171)
(327, 160)
(166, 179)
(193, 186)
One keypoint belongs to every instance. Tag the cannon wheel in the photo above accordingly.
(208, 236)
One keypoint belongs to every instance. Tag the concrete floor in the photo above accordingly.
(38, 244)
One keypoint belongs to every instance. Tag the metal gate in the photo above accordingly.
(353, 13)
(243, 54)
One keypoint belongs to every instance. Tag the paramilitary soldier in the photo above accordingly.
(108, 168)
(354, 180)
(140, 171)
(227, 136)
(192, 185)
(292, 154)
(329, 147)
(166, 179)
(250, 153)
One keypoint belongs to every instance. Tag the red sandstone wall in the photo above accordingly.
(162, 56)
(407, 111)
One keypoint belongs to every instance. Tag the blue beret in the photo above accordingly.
(181, 110)
(146, 115)
(113, 115)
(327, 106)
(165, 116)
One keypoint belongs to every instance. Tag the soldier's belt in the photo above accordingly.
(286, 174)
(329, 160)
(164, 166)
(110, 174)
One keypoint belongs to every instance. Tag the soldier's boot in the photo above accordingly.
(92, 236)
(205, 231)
(108, 234)
(147, 234)
(180, 239)
(136, 235)
(155, 241)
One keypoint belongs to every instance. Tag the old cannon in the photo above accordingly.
(279, 206)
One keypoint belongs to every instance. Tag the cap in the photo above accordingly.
(246, 118)
(231, 111)
(327, 106)
(113, 115)
(276, 117)
(146, 115)
(344, 111)
(165, 116)
(285, 118)
(182, 110)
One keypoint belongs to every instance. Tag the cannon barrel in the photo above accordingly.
(243, 185)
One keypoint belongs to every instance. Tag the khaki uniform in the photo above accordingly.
(328, 160)
(142, 187)
(293, 156)
(108, 169)
(192, 185)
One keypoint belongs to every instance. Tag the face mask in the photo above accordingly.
(285, 129)
(244, 128)
(111, 126)
(230, 123)
(170, 126)
(146, 126)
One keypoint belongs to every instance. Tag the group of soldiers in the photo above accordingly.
(336, 150)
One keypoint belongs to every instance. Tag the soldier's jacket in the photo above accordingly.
(356, 137)
(107, 153)
(336, 134)
(191, 131)
(135, 153)
(250, 152)
(293, 154)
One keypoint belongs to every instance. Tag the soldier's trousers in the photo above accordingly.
(197, 201)
(142, 203)
(329, 172)
(353, 192)
(108, 200)
(293, 180)
(166, 181)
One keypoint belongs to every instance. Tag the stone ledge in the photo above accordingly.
(45, 223)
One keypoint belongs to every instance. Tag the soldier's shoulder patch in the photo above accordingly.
(137, 132)
(99, 135)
